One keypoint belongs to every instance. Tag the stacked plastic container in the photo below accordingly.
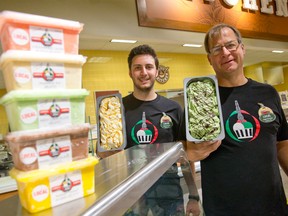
(45, 107)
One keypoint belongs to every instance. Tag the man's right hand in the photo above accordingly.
(200, 151)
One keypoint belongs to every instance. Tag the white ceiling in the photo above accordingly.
(107, 19)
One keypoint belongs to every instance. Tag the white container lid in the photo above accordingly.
(33, 56)
(24, 18)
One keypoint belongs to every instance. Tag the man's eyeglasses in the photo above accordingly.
(230, 46)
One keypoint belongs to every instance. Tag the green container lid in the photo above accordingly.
(24, 95)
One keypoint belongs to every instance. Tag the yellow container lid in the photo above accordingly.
(39, 174)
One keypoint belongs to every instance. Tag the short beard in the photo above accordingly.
(144, 89)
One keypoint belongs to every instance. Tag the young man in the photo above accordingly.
(242, 177)
(153, 119)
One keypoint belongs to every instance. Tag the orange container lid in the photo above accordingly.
(38, 20)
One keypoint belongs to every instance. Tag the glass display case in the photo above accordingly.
(120, 182)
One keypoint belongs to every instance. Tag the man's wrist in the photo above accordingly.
(194, 197)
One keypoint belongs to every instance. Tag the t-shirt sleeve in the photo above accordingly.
(283, 129)
(282, 133)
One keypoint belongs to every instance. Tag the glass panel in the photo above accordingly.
(169, 194)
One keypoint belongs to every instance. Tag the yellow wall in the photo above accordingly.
(113, 75)
(3, 117)
(283, 86)
(258, 73)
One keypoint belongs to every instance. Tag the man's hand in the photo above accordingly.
(193, 208)
(199, 151)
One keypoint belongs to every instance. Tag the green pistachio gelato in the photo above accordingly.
(203, 112)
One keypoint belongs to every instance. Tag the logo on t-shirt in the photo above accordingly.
(144, 132)
(266, 114)
(165, 121)
(244, 125)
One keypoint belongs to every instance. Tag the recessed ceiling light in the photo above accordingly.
(123, 41)
(278, 51)
(192, 45)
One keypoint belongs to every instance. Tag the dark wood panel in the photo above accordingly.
(200, 15)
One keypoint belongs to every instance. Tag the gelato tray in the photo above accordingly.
(110, 123)
(40, 70)
(46, 188)
(29, 109)
(203, 113)
(49, 147)
(22, 31)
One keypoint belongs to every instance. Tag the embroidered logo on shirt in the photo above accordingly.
(147, 134)
(266, 114)
(243, 128)
(165, 121)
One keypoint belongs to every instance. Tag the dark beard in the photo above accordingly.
(146, 89)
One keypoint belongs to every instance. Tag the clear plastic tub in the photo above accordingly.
(29, 109)
(44, 148)
(39, 70)
(203, 112)
(22, 31)
(42, 189)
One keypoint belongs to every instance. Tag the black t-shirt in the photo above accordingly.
(242, 176)
(149, 122)
(154, 122)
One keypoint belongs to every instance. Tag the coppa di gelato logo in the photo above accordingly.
(66, 185)
(48, 74)
(146, 133)
(245, 127)
(46, 39)
(54, 150)
(54, 111)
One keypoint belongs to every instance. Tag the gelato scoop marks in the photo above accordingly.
(203, 113)
(111, 127)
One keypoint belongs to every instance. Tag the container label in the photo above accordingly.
(28, 155)
(66, 187)
(54, 151)
(46, 39)
(22, 75)
(54, 112)
(20, 37)
(28, 115)
(48, 75)
(40, 193)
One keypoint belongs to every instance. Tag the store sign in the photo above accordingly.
(261, 19)
(266, 6)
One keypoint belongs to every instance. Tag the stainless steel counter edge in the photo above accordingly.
(122, 197)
